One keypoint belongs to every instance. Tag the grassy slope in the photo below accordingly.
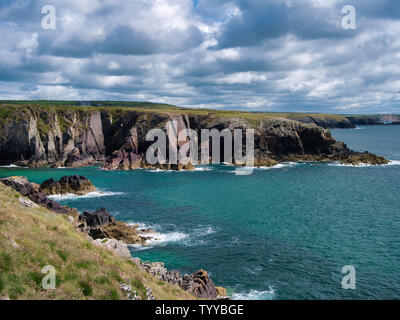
(31, 238)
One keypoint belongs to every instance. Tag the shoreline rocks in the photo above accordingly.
(364, 158)
(74, 184)
(198, 283)
(33, 192)
(101, 224)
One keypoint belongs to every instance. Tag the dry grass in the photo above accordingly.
(31, 238)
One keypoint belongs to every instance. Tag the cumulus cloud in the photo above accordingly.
(261, 55)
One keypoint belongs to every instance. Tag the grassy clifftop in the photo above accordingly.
(32, 237)
(117, 109)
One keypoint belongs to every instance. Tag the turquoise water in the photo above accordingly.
(280, 233)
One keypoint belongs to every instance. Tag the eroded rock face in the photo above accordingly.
(37, 137)
(73, 184)
(32, 191)
(72, 138)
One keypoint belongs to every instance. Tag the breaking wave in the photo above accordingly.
(255, 295)
(194, 238)
(12, 166)
(365, 165)
(95, 194)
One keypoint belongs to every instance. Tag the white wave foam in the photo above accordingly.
(205, 231)
(203, 169)
(158, 170)
(183, 170)
(254, 295)
(12, 166)
(160, 238)
(338, 164)
(95, 194)
(279, 166)
(364, 165)
(198, 237)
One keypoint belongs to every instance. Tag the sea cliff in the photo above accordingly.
(70, 136)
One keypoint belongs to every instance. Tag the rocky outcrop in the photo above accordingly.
(364, 158)
(119, 247)
(38, 136)
(73, 184)
(101, 224)
(198, 283)
(33, 192)
(99, 218)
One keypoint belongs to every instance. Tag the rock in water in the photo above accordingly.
(100, 224)
(364, 158)
(75, 184)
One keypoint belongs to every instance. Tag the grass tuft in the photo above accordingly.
(87, 289)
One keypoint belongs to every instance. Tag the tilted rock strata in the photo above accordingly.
(72, 137)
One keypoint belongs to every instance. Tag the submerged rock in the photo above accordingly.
(75, 184)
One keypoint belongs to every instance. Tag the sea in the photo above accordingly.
(284, 232)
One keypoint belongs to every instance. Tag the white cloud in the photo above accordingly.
(261, 55)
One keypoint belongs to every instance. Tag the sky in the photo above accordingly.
(255, 55)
